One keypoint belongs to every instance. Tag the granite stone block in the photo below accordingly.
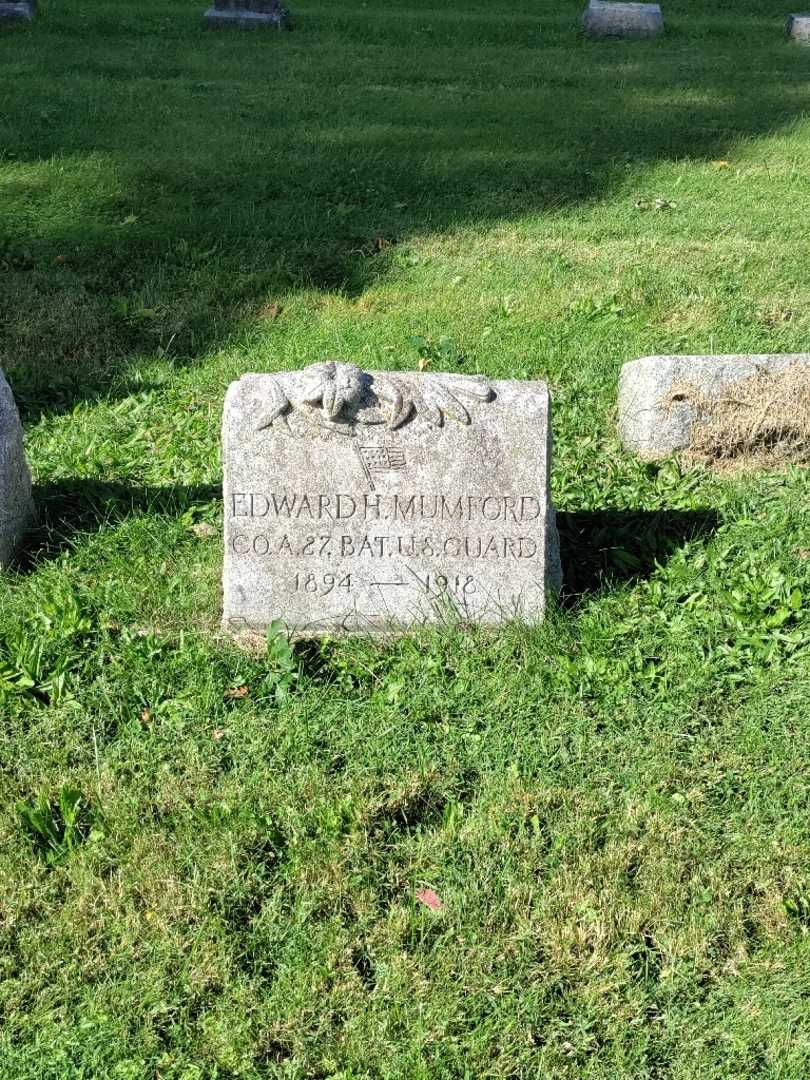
(606, 18)
(798, 28)
(22, 9)
(360, 502)
(248, 15)
(652, 424)
(16, 505)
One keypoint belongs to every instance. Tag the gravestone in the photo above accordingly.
(607, 18)
(23, 9)
(248, 14)
(363, 503)
(798, 28)
(16, 506)
(661, 398)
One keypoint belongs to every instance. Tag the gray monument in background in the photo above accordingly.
(606, 18)
(22, 9)
(360, 502)
(798, 28)
(248, 14)
(16, 506)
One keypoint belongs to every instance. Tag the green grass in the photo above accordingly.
(612, 808)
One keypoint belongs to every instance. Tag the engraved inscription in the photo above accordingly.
(321, 584)
(380, 506)
(368, 545)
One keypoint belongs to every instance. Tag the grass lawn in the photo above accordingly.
(614, 808)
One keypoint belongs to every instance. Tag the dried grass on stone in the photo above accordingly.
(762, 422)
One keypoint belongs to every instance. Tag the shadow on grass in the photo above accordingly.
(603, 548)
(599, 548)
(70, 509)
(165, 187)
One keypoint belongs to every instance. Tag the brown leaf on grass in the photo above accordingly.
(236, 693)
(203, 530)
(430, 899)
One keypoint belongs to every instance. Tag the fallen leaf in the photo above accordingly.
(203, 530)
(429, 898)
(236, 693)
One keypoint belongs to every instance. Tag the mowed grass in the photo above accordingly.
(613, 809)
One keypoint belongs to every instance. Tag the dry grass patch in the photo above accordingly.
(762, 422)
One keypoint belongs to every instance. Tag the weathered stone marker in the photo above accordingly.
(662, 398)
(21, 9)
(16, 506)
(608, 18)
(248, 14)
(360, 502)
(798, 28)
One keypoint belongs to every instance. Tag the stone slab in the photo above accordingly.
(370, 503)
(798, 28)
(247, 15)
(26, 9)
(606, 18)
(651, 424)
(16, 505)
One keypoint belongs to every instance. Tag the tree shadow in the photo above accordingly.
(603, 548)
(165, 187)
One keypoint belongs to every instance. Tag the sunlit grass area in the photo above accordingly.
(215, 870)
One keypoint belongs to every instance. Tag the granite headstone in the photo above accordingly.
(608, 18)
(359, 502)
(18, 9)
(798, 28)
(248, 14)
(16, 506)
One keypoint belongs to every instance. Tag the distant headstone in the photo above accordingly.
(22, 9)
(248, 14)
(663, 398)
(798, 27)
(16, 506)
(606, 18)
(359, 502)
